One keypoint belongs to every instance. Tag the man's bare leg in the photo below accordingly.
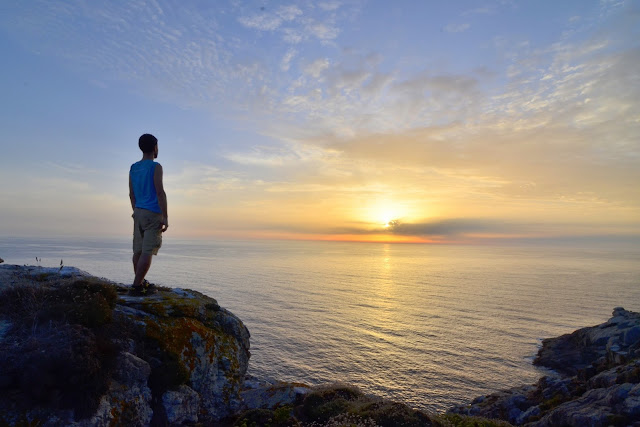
(141, 265)
(136, 258)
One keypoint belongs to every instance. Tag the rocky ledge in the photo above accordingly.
(76, 350)
(596, 380)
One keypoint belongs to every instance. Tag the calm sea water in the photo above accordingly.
(432, 326)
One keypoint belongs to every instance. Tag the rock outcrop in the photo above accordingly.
(81, 351)
(597, 381)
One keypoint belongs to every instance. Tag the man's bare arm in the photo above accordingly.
(132, 196)
(162, 196)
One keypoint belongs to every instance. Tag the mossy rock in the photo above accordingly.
(59, 352)
(281, 417)
(392, 414)
(85, 302)
(456, 420)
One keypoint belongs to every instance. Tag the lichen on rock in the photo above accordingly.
(208, 343)
(114, 359)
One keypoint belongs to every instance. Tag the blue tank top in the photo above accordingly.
(144, 189)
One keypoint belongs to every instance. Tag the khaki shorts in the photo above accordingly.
(147, 231)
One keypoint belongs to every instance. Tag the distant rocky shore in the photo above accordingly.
(597, 381)
(76, 350)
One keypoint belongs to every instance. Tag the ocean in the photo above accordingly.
(429, 325)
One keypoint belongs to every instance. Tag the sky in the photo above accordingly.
(404, 121)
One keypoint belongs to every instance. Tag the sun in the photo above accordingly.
(388, 216)
(387, 223)
(383, 214)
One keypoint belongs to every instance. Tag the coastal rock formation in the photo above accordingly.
(256, 395)
(597, 381)
(76, 350)
(81, 351)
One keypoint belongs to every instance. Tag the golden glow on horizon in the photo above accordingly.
(385, 212)
(361, 238)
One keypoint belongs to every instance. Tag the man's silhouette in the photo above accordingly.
(149, 204)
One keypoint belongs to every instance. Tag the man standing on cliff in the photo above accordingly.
(149, 204)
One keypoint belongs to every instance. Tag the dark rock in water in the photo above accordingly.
(589, 350)
(597, 383)
(1, 260)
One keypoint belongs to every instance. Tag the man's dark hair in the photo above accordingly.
(147, 143)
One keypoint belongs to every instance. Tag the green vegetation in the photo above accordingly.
(88, 303)
(63, 342)
(59, 351)
(346, 406)
(455, 420)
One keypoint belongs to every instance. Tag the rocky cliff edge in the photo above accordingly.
(76, 350)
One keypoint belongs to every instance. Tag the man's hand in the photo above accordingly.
(165, 224)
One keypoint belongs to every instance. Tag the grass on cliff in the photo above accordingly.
(346, 406)
(59, 351)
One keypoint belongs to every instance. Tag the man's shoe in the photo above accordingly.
(137, 290)
(148, 288)
(147, 284)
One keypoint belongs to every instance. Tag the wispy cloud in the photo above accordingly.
(323, 31)
(174, 53)
(261, 22)
(483, 10)
(329, 5)
(285, 65)
(266, 20)
(457, 28)
(73, 169)
(317, 67)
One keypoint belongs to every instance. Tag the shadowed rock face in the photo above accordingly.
(172, 357)
(597, 383)
(588, 350)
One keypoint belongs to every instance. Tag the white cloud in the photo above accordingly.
(292, 35)
(262, 22)
(317, 67)
(73, 169)
(457, 28)
(377, 84)
(484, 10)
(199, 180)
(285, 64)
(263, 156)
(329, 5)
(267, 21)
(323, 31)
(289, 13)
